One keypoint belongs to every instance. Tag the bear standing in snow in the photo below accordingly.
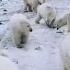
(31, 5)
(47, 12)
(20, 28)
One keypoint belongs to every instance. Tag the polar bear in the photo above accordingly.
(31, 5)
(65, 51)
(60, 21)
(6, 64)
(20, 27)
(47, 12)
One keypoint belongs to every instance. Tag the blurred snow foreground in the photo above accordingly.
(41, 51)
(6, 64)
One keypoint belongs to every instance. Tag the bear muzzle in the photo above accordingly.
(30, 29)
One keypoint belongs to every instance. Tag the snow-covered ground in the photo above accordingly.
(42, 49)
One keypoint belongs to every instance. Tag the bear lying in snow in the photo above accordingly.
(20, 28)
(47, 12)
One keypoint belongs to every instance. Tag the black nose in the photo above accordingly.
(30, 30)
(57, 28)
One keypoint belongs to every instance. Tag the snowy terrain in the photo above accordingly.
(42, 49)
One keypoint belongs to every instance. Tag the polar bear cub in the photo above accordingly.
(47, 12)
(20, 28)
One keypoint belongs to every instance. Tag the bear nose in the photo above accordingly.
(30, 30)
(57, 28)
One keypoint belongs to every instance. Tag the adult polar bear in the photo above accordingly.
(51, 16)
(20, 28)
(47, 12)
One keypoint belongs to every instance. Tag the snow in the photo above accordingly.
(6, 64)
(42, 49)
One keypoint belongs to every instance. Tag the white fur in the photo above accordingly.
(65, 51)
(6, 64)
(19, 26)
(47, 12)
(42, 1)
(60, 21)
(65, 20)
(33, 4)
